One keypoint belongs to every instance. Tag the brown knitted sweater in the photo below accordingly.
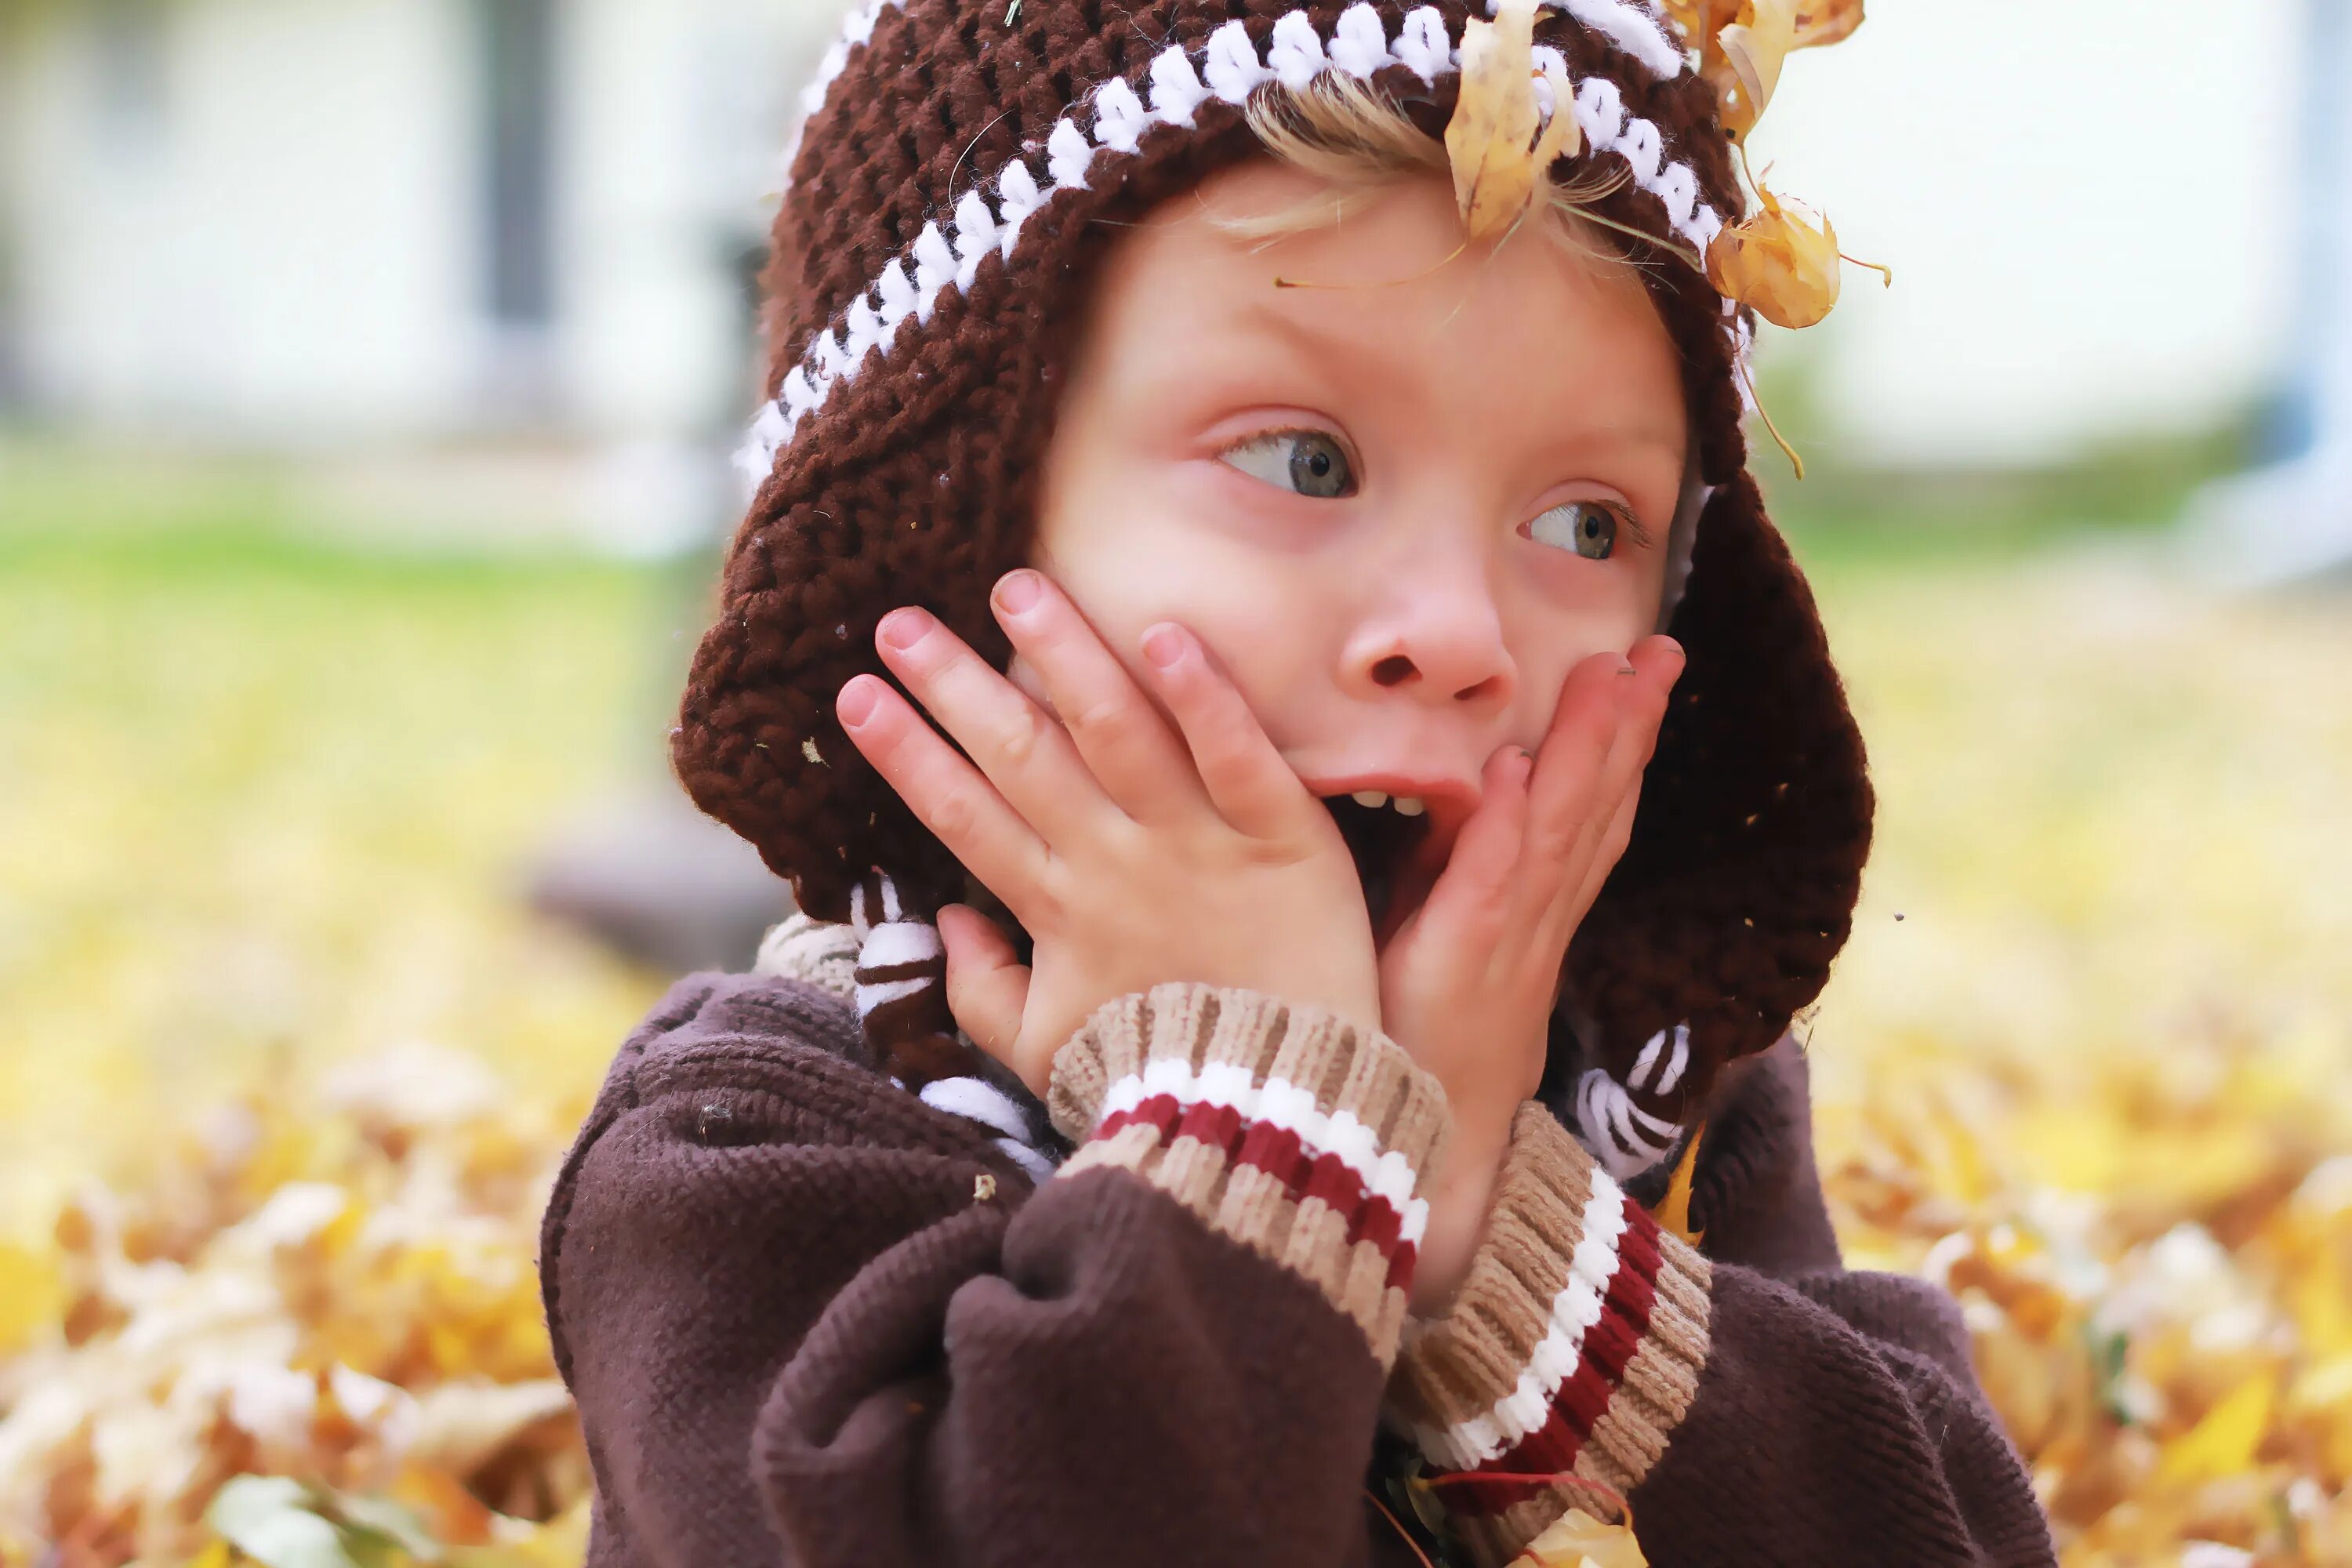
(810, 1320)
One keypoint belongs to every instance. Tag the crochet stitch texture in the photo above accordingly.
(956, 180)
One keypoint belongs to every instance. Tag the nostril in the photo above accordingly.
(1393, 671)
(1484, 688)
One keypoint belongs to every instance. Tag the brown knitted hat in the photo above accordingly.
(930, 258)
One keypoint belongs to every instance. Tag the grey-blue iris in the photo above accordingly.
(1589, 528)
(1317, 467)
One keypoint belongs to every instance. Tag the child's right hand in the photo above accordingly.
(1134, 853)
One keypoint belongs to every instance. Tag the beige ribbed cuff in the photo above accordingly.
(1575, 1345)
(1294, 1131)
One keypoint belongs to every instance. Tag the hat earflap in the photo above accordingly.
(902, 986)
(902, 1007)
(1609, 1119)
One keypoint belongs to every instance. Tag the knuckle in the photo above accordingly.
(1043, 899)
(1223, 732)
(952, 813)
(1102, 716)
(1020, 733)
(1551, 846)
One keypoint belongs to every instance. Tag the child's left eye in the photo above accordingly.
(1588, 527)
(1309, 462)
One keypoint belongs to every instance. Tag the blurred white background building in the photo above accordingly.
(305, 220)
(297, 221)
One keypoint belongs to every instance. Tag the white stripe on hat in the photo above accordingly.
(1633, 27)
(1115, 119)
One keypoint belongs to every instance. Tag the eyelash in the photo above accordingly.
(1622, 512)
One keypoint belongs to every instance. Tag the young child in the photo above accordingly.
(1255, 1090)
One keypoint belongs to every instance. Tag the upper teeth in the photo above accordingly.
(1406, 806)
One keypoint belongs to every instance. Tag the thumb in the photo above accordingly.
(987, 985)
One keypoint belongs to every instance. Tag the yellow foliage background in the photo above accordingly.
(288, 1065)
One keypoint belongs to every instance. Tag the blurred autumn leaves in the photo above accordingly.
(338, 1293)
(2086, 1061)
(272, 1296)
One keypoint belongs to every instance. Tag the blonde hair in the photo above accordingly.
(1342, 131)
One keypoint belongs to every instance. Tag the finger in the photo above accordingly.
(1654, 663)
(1605, 728)
(1248, 783)
(988, 985)
(1023, 753)
(1570, 900)
(1578, 901)
(1472, 895)
(1567, 766)
(942, 788)
(1137, 758)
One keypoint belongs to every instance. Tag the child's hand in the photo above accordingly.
(1133, 853)
(1468, 982)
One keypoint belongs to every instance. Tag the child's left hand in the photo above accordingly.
(1468, 982)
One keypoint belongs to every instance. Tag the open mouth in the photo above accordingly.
(1398, 856)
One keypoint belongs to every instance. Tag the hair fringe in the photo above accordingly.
(1356, 140)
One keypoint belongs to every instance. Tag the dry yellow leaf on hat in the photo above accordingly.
(1782, 262)
(1820, 23)
(1742, 45)
(1577, 1540)
(1498, 141)
(1699, 20)
(1752, 49)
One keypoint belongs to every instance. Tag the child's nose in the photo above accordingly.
(1443, 644)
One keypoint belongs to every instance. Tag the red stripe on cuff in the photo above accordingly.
(1584, 1396)
(1280, 1154)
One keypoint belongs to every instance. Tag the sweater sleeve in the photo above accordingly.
(1826, 1420)
(811, 1321)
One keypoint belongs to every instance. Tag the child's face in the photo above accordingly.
(1398, 510)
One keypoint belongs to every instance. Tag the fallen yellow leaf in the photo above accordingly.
(1673, 1209)
(32, 1295)
(2225, 1442)
(1498, 141)
(1577, 1540)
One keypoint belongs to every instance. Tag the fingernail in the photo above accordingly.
(1163, 646)
(857, 699)
(1019, 591)
(902, 629)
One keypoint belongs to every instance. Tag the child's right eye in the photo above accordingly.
(1309, 462)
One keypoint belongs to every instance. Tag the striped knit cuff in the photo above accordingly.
(1295, 1133)
(1575, 1345)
